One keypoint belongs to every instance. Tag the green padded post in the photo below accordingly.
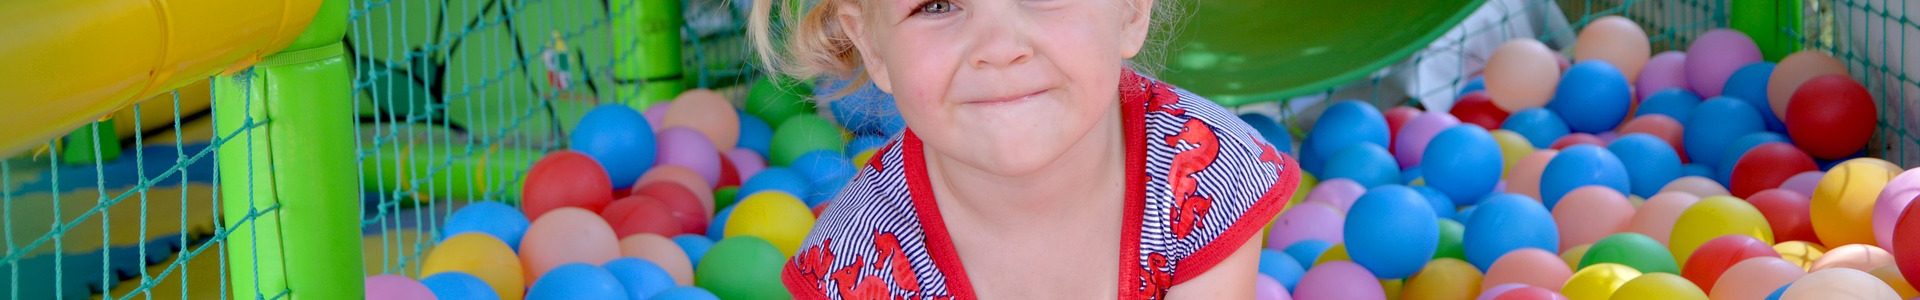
(77, 147)
(653, 72)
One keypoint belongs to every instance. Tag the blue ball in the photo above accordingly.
(1779, 292)
(1724, 173)
(1539, 125)
(1581, 165)
(1282, 267)
(1306, 251)
(1714, 125)
(827, 172)
(1443, 206)
(1271, 130)
(1697, 170)
(867, 110)
(492, 218)
(1392, 231)
(1750, 84)
(1367, 164)
(1478, 83)
(1504, 223)
(1311, 160)
(718, 228)
(1676, 103)
(1408, 176)
(459, 285)
(1593, 97)
(1650, 162)
(1349, 123)
(685, 293)
(619, 138)
(776, 179)
(755, 134)
(577, 281)
(694, 245)
(864, 142)
(1463, 162)
(641, 278)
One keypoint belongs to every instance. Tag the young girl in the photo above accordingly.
(1035, 165)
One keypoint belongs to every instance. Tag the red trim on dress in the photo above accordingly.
(1133, 118)
(1248, 224)
(939, 242)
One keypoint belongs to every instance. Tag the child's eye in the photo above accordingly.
(935, 8)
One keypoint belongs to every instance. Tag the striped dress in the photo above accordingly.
(1207, 183)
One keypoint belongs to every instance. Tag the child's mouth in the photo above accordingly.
(1007, 99)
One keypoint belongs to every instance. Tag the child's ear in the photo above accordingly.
(1133, 33)
(850, 15)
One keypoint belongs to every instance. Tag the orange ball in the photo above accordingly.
(660, 251)
(1524, 179)
(1655, 217)
(1754, 278)
(1589, 213)
(707, 112)
(1530, 266)
(1616, 40)
(1522, 74)
(566, 235)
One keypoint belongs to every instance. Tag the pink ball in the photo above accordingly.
(1530, 266)
(1307, 221)
(1339, 280)
(1496, 291)
(1577, 138)
(684, 147)
(1337, 193)
(1803, 183)
(746, 162)
(396, 287)
(1655, 218)
(1413, 138)
(1524, 179)
(1714, 56)
(1589, 213)
(566, 235)
(656, 114)
(1266, 288)
(1754, 278)
(1893, 200)
(1665, 71)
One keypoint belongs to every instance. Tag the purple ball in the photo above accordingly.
(1413, 138)
(1339, 193)
(1664, 71)
(1803, 183)
(746, 161)
(1265, 288)
(1339, 280)
(656, 113)
(396, 287)
(1307, 221)
(687, 148)
(1714, 57)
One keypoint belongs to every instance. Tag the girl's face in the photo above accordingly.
(1006, 86)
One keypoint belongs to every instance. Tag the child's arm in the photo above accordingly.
(1231, 279)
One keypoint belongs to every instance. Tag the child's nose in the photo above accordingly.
(1001, 43)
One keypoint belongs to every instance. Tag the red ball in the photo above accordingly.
(1906, 242)
(563, 179)
(729, 175)
(1660, 126)
(1529, 293)
(1395, 117)
(1831, 117)
(820, 208)
(1714, 257)
(1766, 166)
(617, 212)
(648, 216)
(1787, 214)
(1477, 108)
(1577, 139)
(684, 206)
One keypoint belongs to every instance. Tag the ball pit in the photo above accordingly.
(775, 217)
(492, 218)
(1615, 40)
(1391, 231)
(706, 112)
(1345, 124)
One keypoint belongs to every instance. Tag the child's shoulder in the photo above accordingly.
(869, 238)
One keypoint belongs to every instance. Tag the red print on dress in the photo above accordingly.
(1191, 207)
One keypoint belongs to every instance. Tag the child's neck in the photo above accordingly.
(1091, 171)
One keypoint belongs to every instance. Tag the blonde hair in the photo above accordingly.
(815, 45)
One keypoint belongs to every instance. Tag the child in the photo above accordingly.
(1036, 164)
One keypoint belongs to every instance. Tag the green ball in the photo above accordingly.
(725, 196)
(801, 134)
(1633, 250)
(1771, 24)
(742, 267)
(775, 100)
(1450, 246)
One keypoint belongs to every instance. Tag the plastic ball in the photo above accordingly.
(1266, 288)
(1572, 255)
(776, 217)
(1525, 178)
(1475, 84)
(801, 134)
(1711, 218)
(1673, 102)
(1787, 214)
(1893, 199)
(1478, 109)
(1504, 223)
(1699, 170)
(717, 229)
(1275, 133)
(826, 171)
(1713, 258)
(1615, 40)
(1581, 166)
(1633, 250)
(1339, 280)
(1443, 206)
(396, 287)
(1442, 279)
(1461, 162)
(565, 179)
(577, 281)
(1753, 278)
(566, 235)
(1530, 293)
(1750, 84)
(1590, 213)
(866, 110)
(687, 148)
(755, 135)
(1666, 70)
(1397, 118)
(785, 180)
(1501, 290)
(1391, 231)
(662, 252)
(1800, 253)
(707, 112)
(1655, 218)
(1716, 54)
(1831, 117)
(1767, 166)
(701, 190)
(1659, 286)
(1593, 97)
(1571, 140)
(643, 214)
(1839, 283)
(1803, 183)
(1306, 251)
(1540, 126)
(1281, 267)
(1410, 142)
(1723, 171)
(1348, 123)
(457, 285)
(493, 218)
(1794, 71)
(1715, 125)
(1534, 267)
(683, 206)
(1696, 185)
(1339, 193)
(618, 138)
(693, 244)
(744, 267)
(482, 256)
(1842, 207)
(1521, 74)
(1861, 257)
(774, 99)
(1650, 162)
(746, 162)
(1513, 147)
(1906, 251)
(641, 278)
(685, 293)
(1308, 221)
(1890, 275)
(1449, 245)
(1598, 281)
(656, 113)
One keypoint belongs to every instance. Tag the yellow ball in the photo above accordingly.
(1842, 209)
(1392, 287)
(1336, 253)
(1800, 253)
(1307, 182)
(482, 256)
(860, 159)
(1659, 286)
(1443, 279)
(1598, 281)
(1513, 147)
(774, 216)
(1712, 217)
(1573, 255)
